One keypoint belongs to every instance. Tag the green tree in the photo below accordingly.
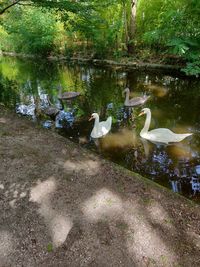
(172, 27)
(101, 28)
(32, 31)
(72, 6)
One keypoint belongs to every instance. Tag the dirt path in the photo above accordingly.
(61, 205)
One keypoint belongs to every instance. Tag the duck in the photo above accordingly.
(66, 95)
(100, 129)
(159, 135)
(135, 101)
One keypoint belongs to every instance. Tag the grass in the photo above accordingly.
(49, 247)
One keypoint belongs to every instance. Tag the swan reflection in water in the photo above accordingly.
(160, 158)
(171, 165)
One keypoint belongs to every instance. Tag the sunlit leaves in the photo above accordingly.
(63, 5)
(173, 26)
(32, 31)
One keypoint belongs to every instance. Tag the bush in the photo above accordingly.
(31, 31)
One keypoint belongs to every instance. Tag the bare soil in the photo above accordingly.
(62, 205)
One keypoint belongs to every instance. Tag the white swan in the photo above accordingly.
(135, 101)
(100, 128)
(160, 135)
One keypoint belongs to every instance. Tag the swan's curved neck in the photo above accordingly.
(127, 97)
(96, 122)
(147, 123)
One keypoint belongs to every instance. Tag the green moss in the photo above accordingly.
(49, 247)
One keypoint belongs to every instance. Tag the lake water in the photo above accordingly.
(29, 87)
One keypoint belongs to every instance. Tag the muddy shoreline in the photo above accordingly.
(62, 205)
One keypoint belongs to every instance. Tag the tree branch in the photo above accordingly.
(67, 5)
(25, 4)
(4, 9)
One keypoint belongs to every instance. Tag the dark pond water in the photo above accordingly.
(31, 87)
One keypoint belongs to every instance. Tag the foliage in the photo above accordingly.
(32, 31)
(65, 5)
(173, 26)
(3, 38)
(192, 68)
(103, 29)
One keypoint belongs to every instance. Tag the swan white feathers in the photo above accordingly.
(135, 101)
(159, 135)
(100, 128)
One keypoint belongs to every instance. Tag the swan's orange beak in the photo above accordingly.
(142, 113)
(91, 118)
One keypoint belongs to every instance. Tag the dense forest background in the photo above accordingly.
(164, 31)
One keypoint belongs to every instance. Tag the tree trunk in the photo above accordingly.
(132, 27)
(126, 35)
